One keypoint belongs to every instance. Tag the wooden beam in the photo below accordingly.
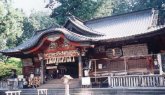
(80, 65)
(125, 63)
(42, 71)
(95, 70)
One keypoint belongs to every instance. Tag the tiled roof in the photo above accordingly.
(123, 25)
(113, 28)
(148, 32)
(34, 39)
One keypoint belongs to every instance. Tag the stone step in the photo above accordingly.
(50, 92)
(57, 83)
(60, 81)
(99, 91)
(54, 81)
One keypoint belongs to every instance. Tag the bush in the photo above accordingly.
(15, 61)
(11, 63)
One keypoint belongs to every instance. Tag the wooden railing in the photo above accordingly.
(137, 81)
(3, 85)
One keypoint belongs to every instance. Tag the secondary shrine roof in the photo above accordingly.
(123, 26)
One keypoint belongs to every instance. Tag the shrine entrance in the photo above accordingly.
(55, 71)
(68, 69)
(61, 63)
(61, 57)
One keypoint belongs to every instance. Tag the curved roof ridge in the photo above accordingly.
(35, 38)
(79, 24)
(39, 31)
(69, 34)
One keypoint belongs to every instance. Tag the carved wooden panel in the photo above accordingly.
(115, 52)
(133, 50)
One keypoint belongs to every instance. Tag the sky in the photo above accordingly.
(29, 5)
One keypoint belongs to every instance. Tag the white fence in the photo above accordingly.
(137, 81)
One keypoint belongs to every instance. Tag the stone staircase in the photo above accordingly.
(58, 84)
(50, 92)
(99, 91)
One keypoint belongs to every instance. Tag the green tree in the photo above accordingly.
(36, 21)
(83, 9)
(105, 9)
(5, 69)
(15, 61)
(2, 25)
(124, 6)
(10, 25)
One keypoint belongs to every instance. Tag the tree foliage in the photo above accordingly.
(104, 9)
(84, 9)
(10, 25)
(12, 63)
(125, 6)
(36, 21)
(88, 9)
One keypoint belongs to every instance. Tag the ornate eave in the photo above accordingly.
(35, 42)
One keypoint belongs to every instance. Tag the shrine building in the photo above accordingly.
(112, 51)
